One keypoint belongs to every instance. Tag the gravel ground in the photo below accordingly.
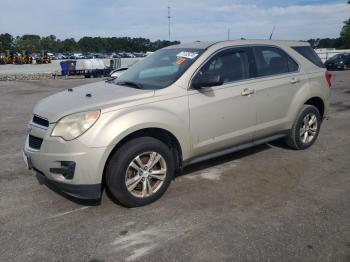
(31, 69)
(268, 203)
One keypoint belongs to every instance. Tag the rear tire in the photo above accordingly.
(140, 171)
(306, 128)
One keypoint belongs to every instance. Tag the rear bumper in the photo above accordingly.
(88, 192)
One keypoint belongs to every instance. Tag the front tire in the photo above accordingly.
(140, 171)
(305, 129)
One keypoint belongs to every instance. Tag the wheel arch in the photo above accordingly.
(318, 103)
(161, 134)
(305, 97)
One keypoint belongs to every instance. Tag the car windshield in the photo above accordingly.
(337, 57)
(160, 69)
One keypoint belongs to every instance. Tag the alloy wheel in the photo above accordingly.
(145, 174)
(308, 130)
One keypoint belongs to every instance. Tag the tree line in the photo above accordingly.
(342, 42)
(51, 43)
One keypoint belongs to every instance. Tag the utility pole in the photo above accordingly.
(169, 22)
(228, 34)
(273, 30)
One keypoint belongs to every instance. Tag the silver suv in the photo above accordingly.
(182, 104)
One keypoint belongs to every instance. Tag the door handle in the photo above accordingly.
(294, 80)
(247, 92)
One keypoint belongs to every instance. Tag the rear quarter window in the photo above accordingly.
(309, 54)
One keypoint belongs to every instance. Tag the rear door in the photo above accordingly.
(225, 115)
(279, 80)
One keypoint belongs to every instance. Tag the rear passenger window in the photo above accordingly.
(309, 54)
(232, 65)
(273, 61)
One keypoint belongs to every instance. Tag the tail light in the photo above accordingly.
(328, 77)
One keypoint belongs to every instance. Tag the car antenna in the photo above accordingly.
(273, 30)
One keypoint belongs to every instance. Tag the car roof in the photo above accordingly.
(195, 45)
(205, 45)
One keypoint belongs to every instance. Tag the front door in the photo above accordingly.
(224, 115)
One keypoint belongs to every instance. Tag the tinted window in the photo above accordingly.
(340, 57)
(232, 65)
(309, 54)
(336, 57)
(273, 61)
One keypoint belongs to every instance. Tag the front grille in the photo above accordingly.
(35, 142)
(40, 121)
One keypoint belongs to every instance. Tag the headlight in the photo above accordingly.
(72, 126)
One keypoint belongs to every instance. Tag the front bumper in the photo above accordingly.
(78, 191)
(86, 177)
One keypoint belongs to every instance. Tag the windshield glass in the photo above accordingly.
(160, 69)
(336, 57)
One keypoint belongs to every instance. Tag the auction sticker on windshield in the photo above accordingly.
(180, 60)
(186, 54)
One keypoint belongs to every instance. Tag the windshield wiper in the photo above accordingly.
(130, 83)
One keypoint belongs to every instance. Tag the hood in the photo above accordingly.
(88, 97)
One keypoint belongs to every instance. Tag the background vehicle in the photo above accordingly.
(87, 67)
(16, 58)
(42, 58)
(2, 58)
(140, 54)
(181, 105)
(118, 72)
(115, 56)
(99, 55)
(338, 62)
(60, 56)
(77, 56)
(94, 68)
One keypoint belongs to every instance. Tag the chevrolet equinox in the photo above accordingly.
(182, 104)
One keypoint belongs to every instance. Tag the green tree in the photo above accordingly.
(49, 43)
(92, 44)
(162, 43)
(68, 45)
(6, 42)
(28, 42)
(345, 34)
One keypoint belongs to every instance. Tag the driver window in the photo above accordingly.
(232, 66)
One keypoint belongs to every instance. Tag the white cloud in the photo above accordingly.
(191, 20)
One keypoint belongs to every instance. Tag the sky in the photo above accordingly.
(191, 20)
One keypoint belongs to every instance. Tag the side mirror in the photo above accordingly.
(206, 80)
